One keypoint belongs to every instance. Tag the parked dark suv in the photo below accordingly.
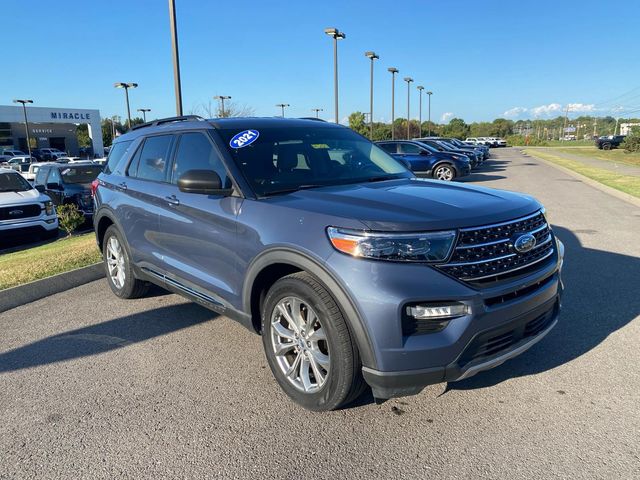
(355, 271)
(608, 142)
(68, 183)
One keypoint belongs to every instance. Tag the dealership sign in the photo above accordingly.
(70, 116)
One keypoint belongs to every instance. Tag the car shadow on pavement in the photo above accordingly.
(106, 336)
(601, 297)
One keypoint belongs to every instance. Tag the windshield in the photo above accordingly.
(282, 160)
(13, 182)
(80, 174)
(445, 145)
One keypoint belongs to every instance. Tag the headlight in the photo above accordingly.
(48, 208)
(402, 247)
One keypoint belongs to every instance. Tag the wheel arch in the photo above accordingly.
(276, 263)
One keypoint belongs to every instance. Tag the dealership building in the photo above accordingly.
(48, 127)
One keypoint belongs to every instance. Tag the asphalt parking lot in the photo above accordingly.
(93, 386)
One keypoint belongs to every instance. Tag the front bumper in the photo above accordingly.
(524, 309)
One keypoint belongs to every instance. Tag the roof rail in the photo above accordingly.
(313, 118)
(160, 121)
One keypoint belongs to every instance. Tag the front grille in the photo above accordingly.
(20, 211)
(486, 254)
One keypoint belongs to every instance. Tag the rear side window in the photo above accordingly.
(152, 159)
(115, 155)
(195, 152)
(389, 147)
(409, 148)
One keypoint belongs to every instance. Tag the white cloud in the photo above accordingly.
(546, 110)
(514, 112)
(446, 116)
(581, 107)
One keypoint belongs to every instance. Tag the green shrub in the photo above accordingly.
(632, 142)
(521, 140)
(69, 217)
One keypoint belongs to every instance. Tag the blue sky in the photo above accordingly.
(480, 58)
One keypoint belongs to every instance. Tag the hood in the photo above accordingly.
(22, 198)
(412, 204)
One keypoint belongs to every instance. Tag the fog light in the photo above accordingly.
(426, 312)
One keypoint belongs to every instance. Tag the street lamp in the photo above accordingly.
(144, 113)
(222, 98)
(337, 35)
(393, 71)
(282, 106)
(429, 93)
(408, 80)
(126, 87)
(317, 110)
(176, 57)
(26, 122)
(420, 89)
(372, 56)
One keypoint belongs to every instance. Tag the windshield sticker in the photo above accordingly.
(243, 139)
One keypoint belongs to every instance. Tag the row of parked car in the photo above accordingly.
(38, 154)
(437, 157)
(28, 199)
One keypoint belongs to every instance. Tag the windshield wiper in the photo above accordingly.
(383, 178)
(292, 189)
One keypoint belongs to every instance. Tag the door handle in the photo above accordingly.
(122, 187)
(172, 200)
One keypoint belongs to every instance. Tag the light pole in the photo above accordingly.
(26, 122)
(372, 56)
(126, 87)
(176, 57)
(420, 89)
(337, 35)
(393, 71)
(317, 110)
(282, 106)
(222, 98)
(429, 94)
(144, 113)
(408, 80)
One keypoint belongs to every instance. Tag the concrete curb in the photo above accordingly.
(600, 186)
(32, 291)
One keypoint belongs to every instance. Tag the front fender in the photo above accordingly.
(330, 280)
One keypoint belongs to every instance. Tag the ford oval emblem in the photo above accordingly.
(243, 139)
(524, 243)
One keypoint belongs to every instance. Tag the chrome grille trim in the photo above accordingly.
(547, 255)
(483, 227)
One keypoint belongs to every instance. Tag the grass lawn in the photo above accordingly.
(616, 155)
(45, 260)
(624, 183)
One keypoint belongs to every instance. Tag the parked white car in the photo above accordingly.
(30, 174)
(25, 213)
(7, 154)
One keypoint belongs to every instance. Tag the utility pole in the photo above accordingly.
(222, 98)
(566, 119)
(282, 106)
(595, 126)
(372, 56)
(393, 71)
(337, 35)
(176, 57)
(408, 80)
(317, 110)
(420, 89)
(26, 122)
(429, 94)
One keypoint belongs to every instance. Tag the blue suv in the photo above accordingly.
(355, 272)
(427, 161)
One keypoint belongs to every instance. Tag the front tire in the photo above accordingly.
(606, 146)
(308, 344)
(118, 267)
(445, 172)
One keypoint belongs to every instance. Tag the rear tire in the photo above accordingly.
(118, 268)
(308, 344)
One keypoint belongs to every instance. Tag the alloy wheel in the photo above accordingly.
(444, 173)
(115, 262)
(300, 344)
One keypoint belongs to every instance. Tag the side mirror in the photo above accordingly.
(205, 182)
(53, 186)
(40, 188)
(425, 153)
